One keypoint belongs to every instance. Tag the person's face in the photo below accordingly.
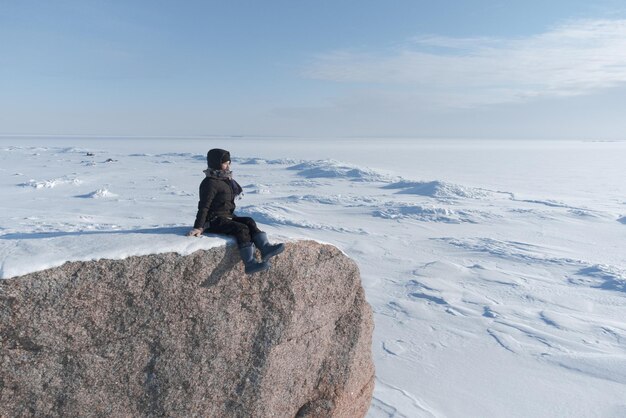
(226, 165)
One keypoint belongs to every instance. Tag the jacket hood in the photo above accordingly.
(216, 157)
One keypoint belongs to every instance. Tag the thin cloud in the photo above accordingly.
(574, 58)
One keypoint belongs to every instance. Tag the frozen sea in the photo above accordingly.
(496, 270)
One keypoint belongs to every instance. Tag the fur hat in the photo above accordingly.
(216, 157)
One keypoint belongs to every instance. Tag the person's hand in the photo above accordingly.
(196, 232)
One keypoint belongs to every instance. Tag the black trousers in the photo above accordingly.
(243, 228)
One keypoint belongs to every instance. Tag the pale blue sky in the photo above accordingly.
(475, 69)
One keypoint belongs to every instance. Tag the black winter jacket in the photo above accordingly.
(216, 199)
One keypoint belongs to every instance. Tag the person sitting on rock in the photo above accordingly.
(216, 214)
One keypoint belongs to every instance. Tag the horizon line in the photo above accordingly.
(320, 137)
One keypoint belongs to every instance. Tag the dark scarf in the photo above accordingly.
(228, 175)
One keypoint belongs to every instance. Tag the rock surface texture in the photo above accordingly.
(188, 336)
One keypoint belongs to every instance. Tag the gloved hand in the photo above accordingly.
(196, 232)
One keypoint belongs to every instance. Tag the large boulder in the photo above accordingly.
(188, 336)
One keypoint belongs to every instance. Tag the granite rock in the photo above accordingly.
(188, 336)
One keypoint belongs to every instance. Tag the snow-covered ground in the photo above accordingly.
(496, 269)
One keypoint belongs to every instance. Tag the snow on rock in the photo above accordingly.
(26, 253)
(438, 189)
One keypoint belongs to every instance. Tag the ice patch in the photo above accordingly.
(438, 189)
(337, 200)
(280, 215)
(510, 250)
(428, 213)
(306, 183)
(336, 169)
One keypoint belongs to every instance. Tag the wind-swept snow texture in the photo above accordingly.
(496, 270)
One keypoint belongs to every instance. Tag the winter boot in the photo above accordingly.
(267, 250)
(247, 256)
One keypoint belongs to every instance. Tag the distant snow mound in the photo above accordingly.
(74, 150)
(99, 194)
(622, 220)
(250, 161)
(428, 213)
(262, 161)
(171, 155)
(78, 150)
(178, 154)
(49, 184)
(283, 161)
(336, 169)
(437, 189)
